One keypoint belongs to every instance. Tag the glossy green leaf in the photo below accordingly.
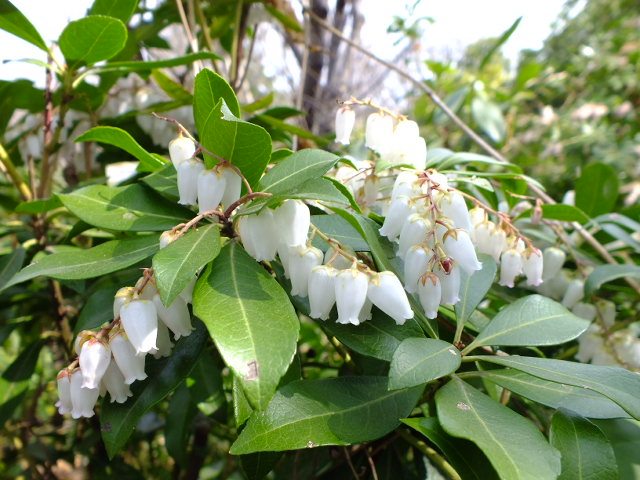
(488, 116)
(120, 9)
(514, 446)
(463, 455)
(561, 212)
(531, 320)
(77, 263)
(624, 436)
(335, 411)
(129, 208)
(242, 409)
(251, 321)
(13, 21)
(620, 385)
(178, 424)
(556, 395)
(118, 420)
(164, 180)
(24, 365)
(10, 264)
(209, 88)
(92, 39)
(175, 265)
(121, 139)
(474, 288)
(421, 360)
(296, 169)
(339, 229)
(38, 206)
(597, 189)
(141, 66)
(586, 451)
(607, 273)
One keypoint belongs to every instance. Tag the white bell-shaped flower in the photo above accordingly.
(180, 149)
(167, 237)
(139, 319)
(64, 404)
(146, 288)
(574, 293)
(351, 293)
(430, 294)
(585, 310)
(125, 294)
(590, 343)
(414, 232)
(532, 264)
(415, 153)
(175, 316)
(130, 364)
(450, 285)
(188, 172)
(302, 260)
(211, 186)
(415, 266)
(453, 206)
(497, 243)
(292, 220)
(458, 246)
(405, 185)
(552, 260)
(366, 311)
(345, 120)
(259, 235)
(82, 337)
(370, 190)
(82, 399)
(510, 267)
(322, 291)
(378, 131)
(113, 381)
(163, 342)
(233, 187)
(406, 130)
(386, 292)
(399, 211)
(477, 215)
(95, 357)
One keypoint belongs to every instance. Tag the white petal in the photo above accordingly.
(163, 342)
(351, 293)
(414, 232)
(301, 261)
(405, 185)
(181, 149)
(82, 399)
(125, 294)
(450, 285)
(510, 267)
(146, 288)
(113, 380)
(345, 119)
(378, 131)
(233, 186)
(95, 356)
(292, 220)
(386, 292)
(574, 293)
(140, 321)
(532, 266)
(399, 212)
(210, 186)
(175, 316)
(259, 235)
(322, 291)
(553, 259)
(453, 206)
(415, 265)
(430, 294)
(460, 248)
(130, 364)
(64, 392)
(188, 172)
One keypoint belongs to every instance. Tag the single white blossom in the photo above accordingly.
(113, 381)
(95, 356)
(322, 291)
(188, 172)
(82, 399)
(302, 260)
(180, 149)
(210, 186)
(139, 319)
(176, 316)
(386, 292)
(430, 294)
(124, 354)
(345, 120)
(351, 293)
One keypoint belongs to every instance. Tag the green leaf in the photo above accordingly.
(12, 395)
(129, 208)
(606, 273)
(121, 9)
(77, 263)
(488, 116)
(445, 159)
(531, 320)
(38, 206)
(597, 189)
(177, 264)
(164, 180)
(321, 189)
(256, 466)
(287, 21)
(171, 87)
(251, 321)
(121, 139)
(334, 411)
(463, 455)
(624, 436)
(499, 42)
(178, 425)
(296, 169)
(259, 104)
(421, 360)
(556, 395)
(336, 227)
(141, 66)
(586, 451)
(515, 447)
(474, 288)
(118, 420)
(97, 310)
(564, 213)
(92, 39)
(209, 88)
(14, 22)
(24, 365)
(242, 409)
(10, 264)
(618, 384)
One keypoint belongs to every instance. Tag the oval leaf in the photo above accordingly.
(515, 447)
(606, 273)
(296, 169)
(250, 319)
(597, 189)
(474, 288)
(335, 411)
(130, 208)
(209, 88)
(532, 320)
(176, 265)
(120, 9)
(77, 263)
(421, 360)
(13, 21)
(92, 39)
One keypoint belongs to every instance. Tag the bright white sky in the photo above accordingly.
(457, 24)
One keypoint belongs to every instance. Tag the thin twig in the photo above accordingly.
(193, 42)
(10, 170)
(252, 44)
(350, 463)
(374, 472)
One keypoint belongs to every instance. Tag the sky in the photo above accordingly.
(456, 24)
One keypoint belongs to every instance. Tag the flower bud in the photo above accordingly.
(351, 293)
(259, 235)
(450, 285)
(180, 149)
(510, 267)
(378, 131)
(574, 293)
(64, 404)
(553, 259)
(82, 399)
(459, 247)
(95, 356)
(210, 187)
(322, 291)
(386, 292)
(414, 232)
(167, 237)
(113, 381)
(124, 354)
(233, 186)
(430, 294)
(139, 319)
(82, 337)
(345, 120)
(453, 206)
(415, 266)
(188, 172)
(175, 316)
(532, 263)
(302, 260)
(398, 214)
(292, 220)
